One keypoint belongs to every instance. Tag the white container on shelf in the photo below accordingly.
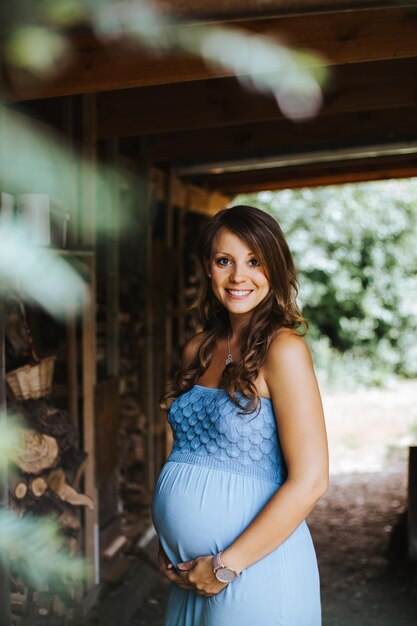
(34, 214)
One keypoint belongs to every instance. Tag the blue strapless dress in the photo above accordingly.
(223, 469)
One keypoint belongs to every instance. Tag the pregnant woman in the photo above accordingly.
(249, 459)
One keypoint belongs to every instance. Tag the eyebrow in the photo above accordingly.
(228, 253)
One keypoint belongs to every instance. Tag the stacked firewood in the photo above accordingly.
(133, 421)
(50, 465)
(45, 482)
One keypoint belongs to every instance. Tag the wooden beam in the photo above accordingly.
(314, 175)
(224, 102)
(216, 9)
(260, 140)
(345, 37)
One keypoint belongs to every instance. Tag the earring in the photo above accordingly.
(209, 275)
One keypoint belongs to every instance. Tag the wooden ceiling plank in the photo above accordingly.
(324, 174)
(328, 178)
(224, 102)
(345, 37)
(258, 140)
(229, 9)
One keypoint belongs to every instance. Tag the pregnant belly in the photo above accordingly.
(199, 510)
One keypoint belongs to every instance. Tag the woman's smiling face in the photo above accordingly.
(238, 278)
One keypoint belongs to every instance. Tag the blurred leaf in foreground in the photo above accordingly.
(37, 49)
(36, 159)
(39, 273)
(10, 438)
(294, 77)
(37, 551)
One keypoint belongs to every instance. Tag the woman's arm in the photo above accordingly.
(290, 377)
(289, 374)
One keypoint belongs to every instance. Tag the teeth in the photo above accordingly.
(238, 293)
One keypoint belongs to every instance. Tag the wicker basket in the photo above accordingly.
(30, 382)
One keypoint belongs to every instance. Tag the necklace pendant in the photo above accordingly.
(229, 359)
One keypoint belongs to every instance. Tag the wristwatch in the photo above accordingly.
(223, 573)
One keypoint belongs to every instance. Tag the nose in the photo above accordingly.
(237, 274)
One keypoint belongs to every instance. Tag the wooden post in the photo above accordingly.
(412, 503)
(5, 608)
(169, 246)
(68, 124)
(87, 219)
(169, 243)
(145, 206)
(72, 241)
(89, 383)
(112, 263)
(72, 362)
(181, 274)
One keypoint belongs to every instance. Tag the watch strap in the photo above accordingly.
(216, 561)
(218, 565)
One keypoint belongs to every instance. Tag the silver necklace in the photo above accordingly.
(229, 358)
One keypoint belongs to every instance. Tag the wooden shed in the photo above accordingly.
(191, 137)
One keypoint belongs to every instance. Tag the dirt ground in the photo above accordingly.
(359, 526)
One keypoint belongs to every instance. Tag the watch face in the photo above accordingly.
(225, 575)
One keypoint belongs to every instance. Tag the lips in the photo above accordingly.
(239, 293)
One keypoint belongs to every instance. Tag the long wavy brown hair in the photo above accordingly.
(277, 310)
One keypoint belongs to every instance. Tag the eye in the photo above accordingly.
(254, 263)
(222, 261)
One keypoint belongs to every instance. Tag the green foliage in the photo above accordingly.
(355, 247)
(36, 43)
(35, 545)
(37, 551)
(41, 274)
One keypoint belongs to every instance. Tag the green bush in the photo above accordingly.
(355, 247)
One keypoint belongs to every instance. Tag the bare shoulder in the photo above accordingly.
(288, 360)
(287, 346)
(191, 348)
(291, 380)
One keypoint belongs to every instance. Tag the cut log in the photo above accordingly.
(38, 486)
(19, 601)
(38, 452)
(41, 416)
(17, 486)
(57, 482)
(69, 519)
(116, 545)
(58, 606)
(73, 546)
(44, 604)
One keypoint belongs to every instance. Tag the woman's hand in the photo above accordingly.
(167, 569)
(199, 574)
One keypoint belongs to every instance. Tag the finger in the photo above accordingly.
(163, 557)
(178, 580)
(186, 565)
(183, 584)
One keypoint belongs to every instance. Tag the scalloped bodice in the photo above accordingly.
(208, 430)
